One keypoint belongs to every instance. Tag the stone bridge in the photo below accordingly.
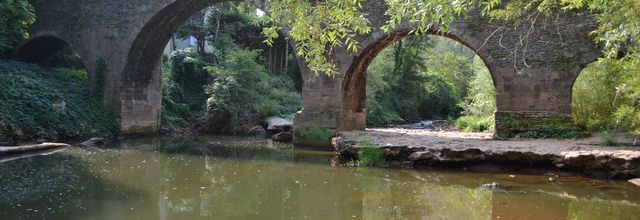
(121, 42)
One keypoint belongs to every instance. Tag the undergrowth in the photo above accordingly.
(40, 103)
(370, 154)
(474, 123)
(317, 133)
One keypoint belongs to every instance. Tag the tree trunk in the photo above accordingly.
(270, 61)
(286, 56)
(173, 43)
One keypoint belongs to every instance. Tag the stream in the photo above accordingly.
(219, 177)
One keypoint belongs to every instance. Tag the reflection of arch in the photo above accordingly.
(354, 85)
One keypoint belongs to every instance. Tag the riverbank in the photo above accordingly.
(42, 105)
(478, 151)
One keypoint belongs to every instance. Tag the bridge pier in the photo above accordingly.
(140, 105)
(533, 99)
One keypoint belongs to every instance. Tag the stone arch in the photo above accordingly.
(40, 49)
(353, 116)
(140, 85)
(146, 51)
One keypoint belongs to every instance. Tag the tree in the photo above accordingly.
(15, 17)
(196, 27)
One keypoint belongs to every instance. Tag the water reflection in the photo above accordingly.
(255, 179)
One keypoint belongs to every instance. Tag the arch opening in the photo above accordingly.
(401, 78)
(56, 54)
(213, 74)
(604, 102)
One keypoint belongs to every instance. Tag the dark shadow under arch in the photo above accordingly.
(39, 50)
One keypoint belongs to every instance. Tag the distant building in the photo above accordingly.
(177, 43)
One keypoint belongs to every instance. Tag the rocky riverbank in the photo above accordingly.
(477, 151)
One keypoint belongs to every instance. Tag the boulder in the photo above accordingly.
(94, 142)
(257, 131)
(635, 181)
(422, 156)
(275, 124)
(283, 137)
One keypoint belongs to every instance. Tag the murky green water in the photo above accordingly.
(214, 178)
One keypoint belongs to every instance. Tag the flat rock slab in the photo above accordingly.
(277, 124)
(437, 147)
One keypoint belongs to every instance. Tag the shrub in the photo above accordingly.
(78, 75)
(474, 124)
(370, 154)
(317, 133)
(608, 139)
(606, 97)
(243, 89)
(481, 100)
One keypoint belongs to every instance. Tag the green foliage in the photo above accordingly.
(608, 139)
(237, 81)
(316, 25)
(317, 133)
(196, 27)
(370, 154)
(628, 119)
(15, 17)
(481, 99)
(437, 98)
(592, 92)
(34, 101)
(66, 58)
(175, 114)
(100, 77)
(78, 75)
(236, 84)
(471, 123)
(187, 79)
(606, 97)
(242, 88)
(427, 77)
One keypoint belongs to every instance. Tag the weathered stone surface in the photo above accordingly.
(422, 156)
(283, 137)
(635, 181)
(432, 149)
(275, 124)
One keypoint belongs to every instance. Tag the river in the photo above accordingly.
(245, 178)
